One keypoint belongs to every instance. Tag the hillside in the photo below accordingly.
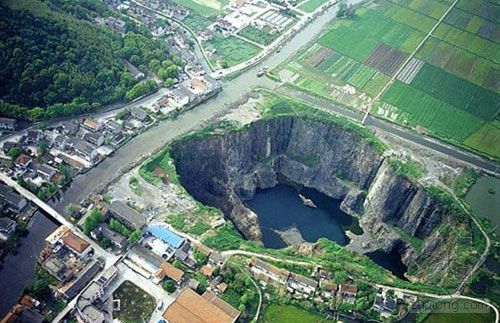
(57, 61)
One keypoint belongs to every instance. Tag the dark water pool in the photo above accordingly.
(281, 207)
(390, 261)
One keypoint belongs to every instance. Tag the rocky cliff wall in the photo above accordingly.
(224, 170)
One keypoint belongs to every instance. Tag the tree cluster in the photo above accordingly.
(56, 61)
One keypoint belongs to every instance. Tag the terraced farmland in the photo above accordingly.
(450, 88)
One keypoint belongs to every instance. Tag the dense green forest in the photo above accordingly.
(55, 60)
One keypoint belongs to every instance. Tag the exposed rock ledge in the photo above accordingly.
(224, 170)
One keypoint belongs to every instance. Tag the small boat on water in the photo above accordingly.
(307, 202)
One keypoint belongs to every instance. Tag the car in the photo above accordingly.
(159, 305)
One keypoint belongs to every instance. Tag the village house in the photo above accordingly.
(58, 269)
(328, 289)
(385, 306)
(169, 271)
(117, 24)
(85, 150)
(8, 145)
(8, 124)
(260, 268)
(88, 305)
(70, 128)
(23, 161)
(12, 200)
(113, 126)
(95, 138)
(7, 227)
(32, 137)
(139, 114)
(191, 307)
(104, 231)
(348, 293)
(215, 259)
(181, 95)
(91, 124)
(76, 244)
(301, 284)
(74, 287)
(63, 142)
(127, 215)
(46, 172)
(117, 139)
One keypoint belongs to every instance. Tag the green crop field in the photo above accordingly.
(375, 85)
(207, 8)
(407, 16)
(457, 92)
(290, 314)
(460, 62)
(486, 139)
(477, 45)
(258, 35)
(311, 5)
(363, 75)
(368, 29)
(231, 50)
(436, 116)
(454, 93)
(431, 8)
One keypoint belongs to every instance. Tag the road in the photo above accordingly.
(489, 167)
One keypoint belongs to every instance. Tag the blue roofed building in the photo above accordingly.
(164, 234)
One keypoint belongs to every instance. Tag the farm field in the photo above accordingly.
(230, 50)
(206, 8)
(289, 314)
(449, 89)
(311, 5)
(261, 36)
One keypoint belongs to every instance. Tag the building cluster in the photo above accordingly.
(27, 310)
(158, 247)
(92, 305)
(257, 13)
(118, 212)
(302, 287)
(69, 259)
(187, 94)
(32, 163)
(388, 303)
(12, 206)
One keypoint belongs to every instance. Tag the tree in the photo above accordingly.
(92, 221)
(71, 209)
(168, 285)
(135, 236)
(15, 152)
(345, 11)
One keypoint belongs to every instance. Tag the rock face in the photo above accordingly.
(224, 170)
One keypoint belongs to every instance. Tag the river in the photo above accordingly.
(17, 268)
(22, 264)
